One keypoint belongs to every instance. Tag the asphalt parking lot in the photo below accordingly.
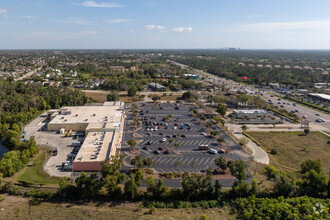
(184, 129)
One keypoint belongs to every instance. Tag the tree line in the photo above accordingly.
(19, 104)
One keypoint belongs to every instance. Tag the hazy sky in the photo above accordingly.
(111, 24)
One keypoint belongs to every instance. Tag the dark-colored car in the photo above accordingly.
(145, 148)
(182, 135)
(161, 149)
(166, 152)
(156, 152)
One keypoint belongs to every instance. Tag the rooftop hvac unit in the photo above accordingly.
(94, 114)
(86, 119)
(76, 115)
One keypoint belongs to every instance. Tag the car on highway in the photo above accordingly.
(320, 120)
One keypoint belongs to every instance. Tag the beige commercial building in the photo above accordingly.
(103, 126)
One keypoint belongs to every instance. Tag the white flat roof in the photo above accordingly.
(96, 147)
(250, 111)
(321, 95)
(110, 114)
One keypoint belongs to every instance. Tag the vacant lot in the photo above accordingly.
(96, 95)
(21, 208)
(294, 147)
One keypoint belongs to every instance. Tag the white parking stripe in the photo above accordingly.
(167, 161)
(206, 161)
(190, 161)
(173, 161)
(212, 160)
(184, 161)
(200, 161)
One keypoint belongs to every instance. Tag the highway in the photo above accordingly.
(311, 114)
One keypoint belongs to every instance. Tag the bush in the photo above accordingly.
(270, 171)
(273, 151)
(203, 217)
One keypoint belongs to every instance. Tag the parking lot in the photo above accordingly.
(174, 144)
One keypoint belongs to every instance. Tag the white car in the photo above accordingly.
(212, 151)
(163, 140)
(304, 116)
(203, 133)
(175, 127)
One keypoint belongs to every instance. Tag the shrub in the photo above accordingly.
(273, 151)
(203, 217)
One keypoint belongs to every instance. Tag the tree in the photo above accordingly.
(237, 170)
(171, 140)
(306, 131)
(131, 91)
(132, 143)
(243, 141)
(314, 181)
(214, 133)
(222, 109)
(137, 161)
(113, 96)
(155, 98)
(220, 140)
(178, 164)
(147, 161)
(87, 186)
(221, 162)
(177, 145)
(193, 164)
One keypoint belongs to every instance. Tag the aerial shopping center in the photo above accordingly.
(102, 126)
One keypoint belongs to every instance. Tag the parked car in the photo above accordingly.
(145, 148)
(212, 151)
(203, 147)
(221, 151)
(156, 152)
(183, 136)
(163, 140)
(161, 149)
(317, 114)
(204, 134)
(166, 152)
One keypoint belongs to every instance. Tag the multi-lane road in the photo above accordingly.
(311, 114)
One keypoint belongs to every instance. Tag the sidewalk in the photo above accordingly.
(258, 153)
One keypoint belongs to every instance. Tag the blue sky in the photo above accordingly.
(112, 24)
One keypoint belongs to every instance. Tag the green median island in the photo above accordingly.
(292, 148)
(35, 175)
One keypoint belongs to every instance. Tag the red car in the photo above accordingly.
(159, 127)
(166, 152)
(161, 149)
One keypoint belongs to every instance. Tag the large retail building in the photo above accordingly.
(103, 128)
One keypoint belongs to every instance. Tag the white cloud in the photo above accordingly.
(88, 33)
(182, 29)
(117, 21)
(93, 4)
(2, 10)
(27, 17)
(252, 16)
(154, 27)
(276, 27)
(77, 21)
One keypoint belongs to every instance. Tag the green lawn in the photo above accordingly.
(36, 175)
(294, 147)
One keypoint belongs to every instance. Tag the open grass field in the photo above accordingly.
(23, 208)
(35, 174)
(169, 97)
(96, 95)
(294, 147)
